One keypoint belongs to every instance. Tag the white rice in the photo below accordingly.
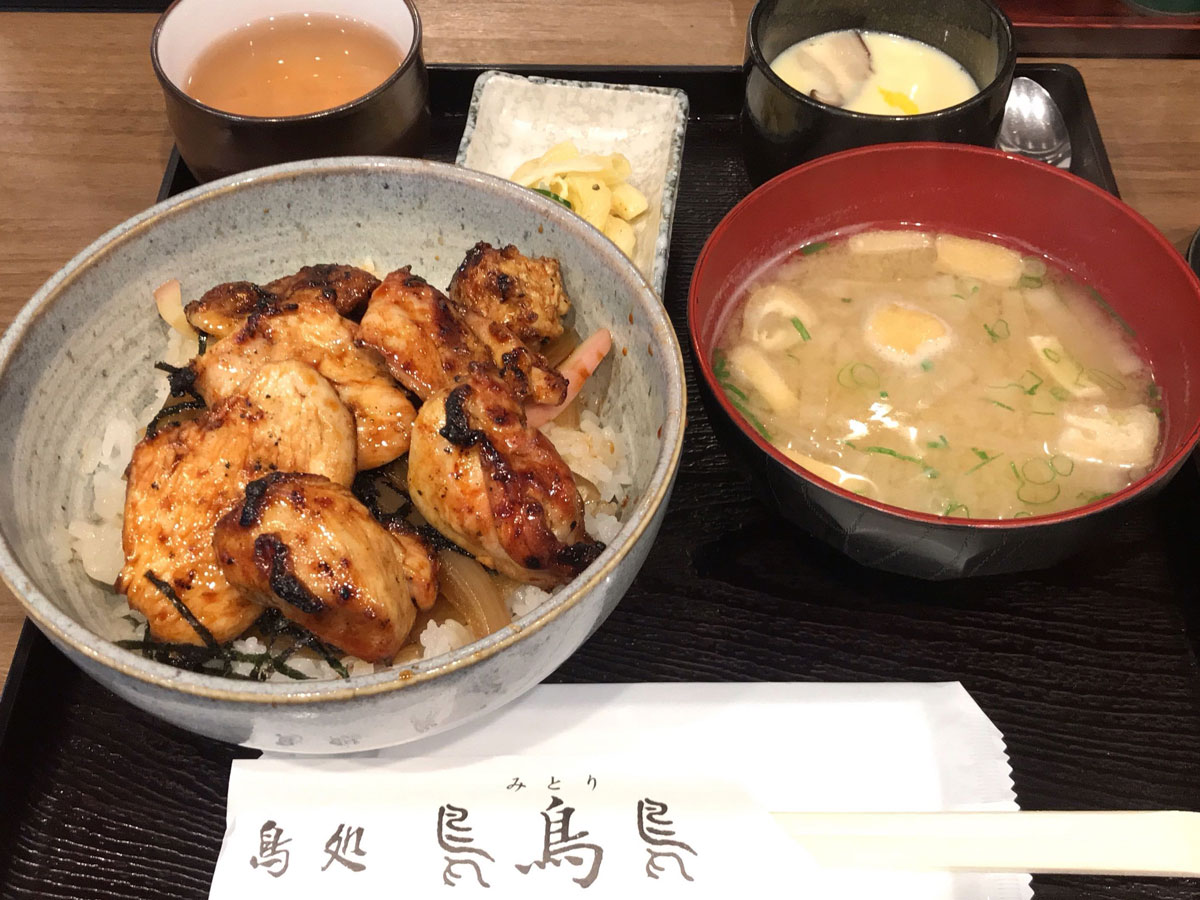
(594, 451)
(445, 638)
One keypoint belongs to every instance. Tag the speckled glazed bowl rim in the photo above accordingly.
(1005, 72)
(1164, 468)
(63, 628)
(333, 112)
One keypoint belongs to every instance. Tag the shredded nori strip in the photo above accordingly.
(181, 379)
(202, 342)
(197, 626)
(273, 627)
(274, 624)
(168, 410)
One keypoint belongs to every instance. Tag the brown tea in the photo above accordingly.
(292, 65)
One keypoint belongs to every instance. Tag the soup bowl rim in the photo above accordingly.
(63, 628)
(1003, 74)
(332, 112)
(1163, 467)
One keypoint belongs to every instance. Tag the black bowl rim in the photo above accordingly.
(1162, 470)
(1003, 76)
(333, 112)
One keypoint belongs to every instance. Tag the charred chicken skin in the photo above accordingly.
(495, 486)
(428, 341)
(186, 477)
(222, 310)
(524, 294)
(313, 332)
(307, 547)
(348, 288)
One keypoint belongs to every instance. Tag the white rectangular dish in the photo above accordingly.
(513, 118)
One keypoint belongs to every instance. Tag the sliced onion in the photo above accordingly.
(471, 591)
(556, 352)
(168, 297)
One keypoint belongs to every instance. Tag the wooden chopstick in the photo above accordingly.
(1109, 843)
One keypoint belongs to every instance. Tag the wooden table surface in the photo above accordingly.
(83, 138)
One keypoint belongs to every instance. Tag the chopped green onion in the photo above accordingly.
(1153, 392)
(1052, 355)
(1063, 468)
(926, 365)
(1021, 514)
(1059, 393)
(799, 326)
(750, 417)
(847, 299)
(1038, 471)
(720, 366)
(938, 444)
(953, 507)
(553, 196)
(1035, 494)
(1092, 498)
(930, 471)
(1031, 281)
(1001, 405)
(888, 451)
(883, 394)
(858, 375)
(1030, 389)
(735, 390)
(983, 455)
(998, 330)
(817, 247)
(737, 397)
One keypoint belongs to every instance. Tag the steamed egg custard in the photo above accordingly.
(943, 374)
(874, 72)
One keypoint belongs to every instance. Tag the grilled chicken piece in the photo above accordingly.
(427, 342)
(314, 333)
(307, 547)
(222, 310)
(529, 375)
(182, 480)
(347, 287)
(482, 477)
(525, 295)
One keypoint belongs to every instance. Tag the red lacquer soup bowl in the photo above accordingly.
(971, 191)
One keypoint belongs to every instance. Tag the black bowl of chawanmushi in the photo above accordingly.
(828, 75)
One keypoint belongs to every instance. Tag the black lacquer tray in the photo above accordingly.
(1089, 669)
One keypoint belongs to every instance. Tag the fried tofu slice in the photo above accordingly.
(307, 547)
(314, 333)
(524, 294)
(186, 477)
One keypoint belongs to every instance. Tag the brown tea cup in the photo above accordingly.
(391, 120)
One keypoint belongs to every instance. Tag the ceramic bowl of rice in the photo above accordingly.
(78, 385)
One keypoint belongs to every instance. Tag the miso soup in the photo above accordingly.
(943, 374)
